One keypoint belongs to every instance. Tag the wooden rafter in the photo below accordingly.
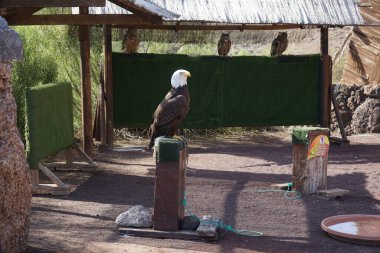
(80, 19)
(50, 3)
(20, 14)
(215, 27)
(153, 18)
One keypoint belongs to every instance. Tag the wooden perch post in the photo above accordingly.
(310, 152)
(170, 184)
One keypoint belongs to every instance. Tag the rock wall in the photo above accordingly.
(359, 107)
(15, 185)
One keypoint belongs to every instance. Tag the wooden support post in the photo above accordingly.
(326, 79)
(84, 38)
(102, 108)
(170, 184)
(108, 83)
(69, 156)
(310, 152)
(35, 177)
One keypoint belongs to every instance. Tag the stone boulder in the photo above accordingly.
(137, 216)
(15, 184)
(366, 118)
(10, 43)
(372, 91)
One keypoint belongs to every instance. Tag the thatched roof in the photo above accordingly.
(303, 12)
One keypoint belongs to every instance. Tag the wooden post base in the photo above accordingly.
(310, 152)
(207, 230)
(57, 188)
(87, 166)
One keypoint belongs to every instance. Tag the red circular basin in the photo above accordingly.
(355, 228)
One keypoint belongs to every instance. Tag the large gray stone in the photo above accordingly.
(372, 91)
(15, 185)
(137, 216)
(366, 118)
(10, 43)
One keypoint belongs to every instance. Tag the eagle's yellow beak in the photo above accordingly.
(187, 73)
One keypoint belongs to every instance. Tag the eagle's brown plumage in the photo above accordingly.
(224, 44)
(169, 113)
(130, 42)
(279, 44)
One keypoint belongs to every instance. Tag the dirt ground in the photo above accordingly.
(223, 177)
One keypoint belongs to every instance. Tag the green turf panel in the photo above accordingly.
(267, 91)
(168, 149)
(225, 91)
(300, 134)
(141, 82)
(49, 117)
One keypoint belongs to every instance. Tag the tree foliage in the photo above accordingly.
(52, 54)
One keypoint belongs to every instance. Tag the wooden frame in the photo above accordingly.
(87, 165)
(57, 188)
(51, 3)
(20, 12)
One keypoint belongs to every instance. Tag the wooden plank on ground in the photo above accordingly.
(284, 186)
(333, 193)
(52, 189)
(80, 166)
(178, 234)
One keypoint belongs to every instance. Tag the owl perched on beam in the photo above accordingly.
(279, 44)
(224, 44)
(130, 42)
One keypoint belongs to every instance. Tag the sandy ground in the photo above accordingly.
(223, 177)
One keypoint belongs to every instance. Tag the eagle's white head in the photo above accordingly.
(179, 78)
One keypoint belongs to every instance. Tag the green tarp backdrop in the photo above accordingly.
(224, 91)
(49, 117)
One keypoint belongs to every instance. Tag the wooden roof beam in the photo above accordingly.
(81, 19)
(51, 3)
(153, 18)
(20, 14)
(240, 27)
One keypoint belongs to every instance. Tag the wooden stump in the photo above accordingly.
(170, 184)
(310, 153)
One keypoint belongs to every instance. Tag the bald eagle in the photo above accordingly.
(173, 108)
